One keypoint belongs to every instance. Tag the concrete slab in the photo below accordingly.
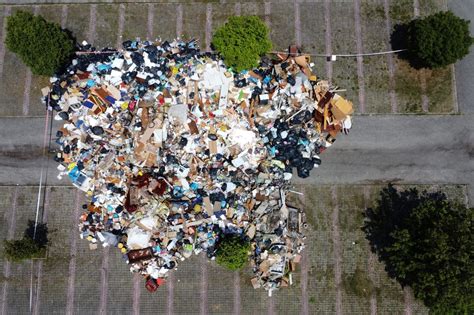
(164, 22)
(194, 22)
(136, 21)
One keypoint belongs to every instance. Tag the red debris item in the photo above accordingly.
(137, 255)
(161, 99)
(160, 188)
(151, 285)
(160, 281)
(128, 206)
(83, 75)
(131, 105)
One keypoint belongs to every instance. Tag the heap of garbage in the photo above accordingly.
(175, 151)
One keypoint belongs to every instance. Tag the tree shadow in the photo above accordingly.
(390, 214)
(63, 68)
(400, 39)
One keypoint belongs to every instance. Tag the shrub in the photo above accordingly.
(42, 46)
(28, 247)
(241, 41)
(19, 250)
(232, 252)
(427, 243)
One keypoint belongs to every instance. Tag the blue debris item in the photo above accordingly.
(90, 83)
(88, 104)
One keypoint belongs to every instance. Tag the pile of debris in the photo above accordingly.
(175, 151)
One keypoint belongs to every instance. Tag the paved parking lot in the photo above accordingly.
(74, 279)
(376, 84)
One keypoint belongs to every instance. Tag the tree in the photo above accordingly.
(241, 41)
(232, 252)
(32, 245)
(438, 40)
(42, 46)
(427, 243)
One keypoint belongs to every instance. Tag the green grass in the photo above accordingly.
(358, 284)
(107, 26)
(428, 7)
(407, 88)
(372, 9)
(313, 35)
(78, 23)
(282, 31)
(136, 21)
(401, 11)
(439, 90)
(344, 41)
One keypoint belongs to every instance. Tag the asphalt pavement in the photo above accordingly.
(465, 67)
(404, 149)
(401, 149)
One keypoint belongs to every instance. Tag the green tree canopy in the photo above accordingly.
(232, 252)
(241, 41)
(439, 39)
(32, 245)
(42, 46)
(427, 243)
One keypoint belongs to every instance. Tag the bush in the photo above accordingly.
(19, 250)
(435, 41)
(427, 243)
(42, 46)
(241, 41)
(28, 247)
(232, 252)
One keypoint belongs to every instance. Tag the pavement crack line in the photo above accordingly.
(63, 16)
(208, 26)
(150, 20)
(327, 20)
(408, 299)
(6, 13)
(304, 282)
(416, 8)
(121, 23)
(360, 61)
(204, 282)
(371, 261)
(425, 102)
(297, 23)
(72, 263)
(271, 305)
(337, 248)
(267, 14)
(92, 23)
(237, 9)
(170, 291)
(179, 20)
(104, 283)
(26, 93)
(39, 274)
(390, 62)
(136, 294)
(11, 219)
(237, 299)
